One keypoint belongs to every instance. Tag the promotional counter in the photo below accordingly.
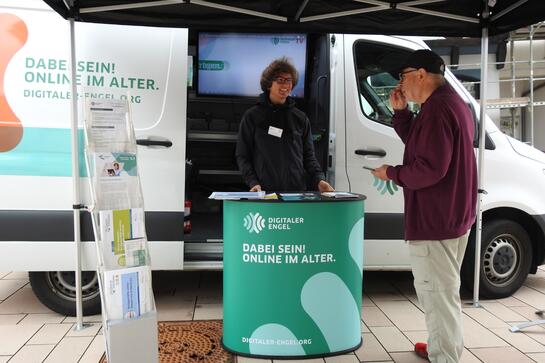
(292, 277)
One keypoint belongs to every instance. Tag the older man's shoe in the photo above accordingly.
(421, 350)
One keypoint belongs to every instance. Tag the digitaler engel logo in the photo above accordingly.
(254, 222)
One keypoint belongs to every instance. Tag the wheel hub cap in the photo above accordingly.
(500, 259)
(64, 284)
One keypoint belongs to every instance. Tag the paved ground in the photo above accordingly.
(392, 321)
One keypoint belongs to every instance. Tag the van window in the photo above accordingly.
(376, 65)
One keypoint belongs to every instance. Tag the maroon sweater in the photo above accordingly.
(439, 174)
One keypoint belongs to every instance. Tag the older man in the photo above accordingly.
(439, 180)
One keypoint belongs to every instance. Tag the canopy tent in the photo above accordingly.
(396, 17)
(461, 18)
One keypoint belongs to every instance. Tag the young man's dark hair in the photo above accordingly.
(280, 65)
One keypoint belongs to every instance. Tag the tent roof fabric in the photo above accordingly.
(394, 17)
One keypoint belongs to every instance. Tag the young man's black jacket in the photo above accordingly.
(277, 163)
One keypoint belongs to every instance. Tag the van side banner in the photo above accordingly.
(35, 82)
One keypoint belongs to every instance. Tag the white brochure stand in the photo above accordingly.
(124, 268)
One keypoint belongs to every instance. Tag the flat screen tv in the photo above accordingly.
(230, 64)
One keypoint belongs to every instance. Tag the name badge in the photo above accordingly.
(275, 131)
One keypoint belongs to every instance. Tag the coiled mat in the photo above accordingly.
(190, 342)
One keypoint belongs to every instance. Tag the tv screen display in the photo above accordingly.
(230, 64)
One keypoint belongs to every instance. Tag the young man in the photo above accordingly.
(439, 180)
(275, 151)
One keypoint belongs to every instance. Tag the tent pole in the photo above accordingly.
(531, 108)
(482, 137)
(76, 205)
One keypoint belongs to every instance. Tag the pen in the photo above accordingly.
(368, 168)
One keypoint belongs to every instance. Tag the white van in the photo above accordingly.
(187, 150)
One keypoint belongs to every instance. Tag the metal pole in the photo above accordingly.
(75, 176)
(513, 85)
(531, 85)
(482, 136)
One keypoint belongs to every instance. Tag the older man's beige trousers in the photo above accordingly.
(436, 271)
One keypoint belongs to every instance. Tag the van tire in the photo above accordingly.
(506, 258)
(56, 290)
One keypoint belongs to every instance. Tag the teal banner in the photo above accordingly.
(292, 277)
(43, 152)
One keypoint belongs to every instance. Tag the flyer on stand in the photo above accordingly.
(128, 292)
(135, 252)
(123, 237)
(117, 184)
(107, 125)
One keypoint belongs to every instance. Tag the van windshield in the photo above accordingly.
(376, 66)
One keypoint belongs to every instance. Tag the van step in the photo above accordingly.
(204, 252)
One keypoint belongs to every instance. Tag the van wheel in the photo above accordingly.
(506, 258)
(57, 291)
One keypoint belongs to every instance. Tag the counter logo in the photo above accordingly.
(254, 222)
(385, 186)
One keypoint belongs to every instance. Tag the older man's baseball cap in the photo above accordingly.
(426, 59)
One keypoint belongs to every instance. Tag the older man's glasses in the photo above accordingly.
(402, 74)
(282, 80)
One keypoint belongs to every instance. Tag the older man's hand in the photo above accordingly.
(397, 99)
(381, 172)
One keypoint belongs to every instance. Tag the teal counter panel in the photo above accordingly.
(292, 277)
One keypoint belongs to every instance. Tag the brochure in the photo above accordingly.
(339, 195)
(108, 164)
(237, 195)
(135, 252)
(271, 196)
(117, 184)
(123, 237)
(107, 125)
(128, 292)
(299, 196)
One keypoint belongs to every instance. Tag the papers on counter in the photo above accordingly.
(237, 195)
(339, 195)
(299, 196)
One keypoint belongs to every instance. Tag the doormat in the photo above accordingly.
(190, 342)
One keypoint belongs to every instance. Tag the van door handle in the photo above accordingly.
(379, 153)
(154, 143)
